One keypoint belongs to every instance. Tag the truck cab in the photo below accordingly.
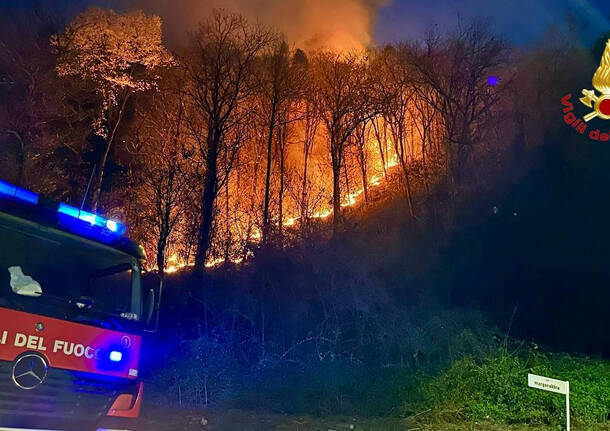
(74, 304)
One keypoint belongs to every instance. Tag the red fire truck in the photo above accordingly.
(73, 307)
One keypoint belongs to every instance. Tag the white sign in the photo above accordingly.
(552, 385)
(547, 384)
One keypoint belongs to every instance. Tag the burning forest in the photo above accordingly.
(239, 139)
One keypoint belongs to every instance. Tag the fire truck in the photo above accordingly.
(74, 304)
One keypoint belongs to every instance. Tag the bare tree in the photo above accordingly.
(285, 132)
(163, 157)
(278, 89)
(395, 78)
(361, 138)
(346, 100)
(457, 68)
(380, 131)
(425, 118)
(219, 66)
(307, 110)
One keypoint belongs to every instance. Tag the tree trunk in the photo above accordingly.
(228, 233)
(99, 170)
(282, 153)
(266, 221)
(311, 127)
(398, 134)
(165, 201)
(98, 178)
(363, 170)
(254, 193)
(304, 203)
(164, 228)
(161, 244)
(336, 164)
(424, 160)
(207, 200)
(381, 152)
(405, 170)
(345, 174)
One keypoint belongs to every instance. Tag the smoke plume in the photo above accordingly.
(308, 24)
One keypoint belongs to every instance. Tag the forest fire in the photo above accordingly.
(247, 142)
(350, 200)
(294, 221)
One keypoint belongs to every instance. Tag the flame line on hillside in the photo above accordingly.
(352, 199)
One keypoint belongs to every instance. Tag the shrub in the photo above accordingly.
(201, 372)
(496, 389)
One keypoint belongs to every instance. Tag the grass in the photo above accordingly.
(492, 394)
(437, 425)
(486, 392)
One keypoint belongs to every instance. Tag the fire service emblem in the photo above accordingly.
(600, 104)
(29, 371)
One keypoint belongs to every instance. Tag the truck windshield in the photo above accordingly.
(47, 271)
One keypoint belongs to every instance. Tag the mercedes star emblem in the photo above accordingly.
(29, 371)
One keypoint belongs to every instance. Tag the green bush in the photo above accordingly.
(496, 389)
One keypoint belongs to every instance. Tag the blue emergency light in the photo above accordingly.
(68, 212)
(17, 193)
(92, 219)
(116, 356)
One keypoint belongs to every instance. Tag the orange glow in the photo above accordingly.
(241, 225)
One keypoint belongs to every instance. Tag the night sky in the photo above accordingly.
(519, 21)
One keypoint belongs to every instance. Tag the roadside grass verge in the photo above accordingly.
(494, 391)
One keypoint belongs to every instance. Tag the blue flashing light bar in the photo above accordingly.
(92, 219)
(116, 356)
(17, 193)
(104, 225)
